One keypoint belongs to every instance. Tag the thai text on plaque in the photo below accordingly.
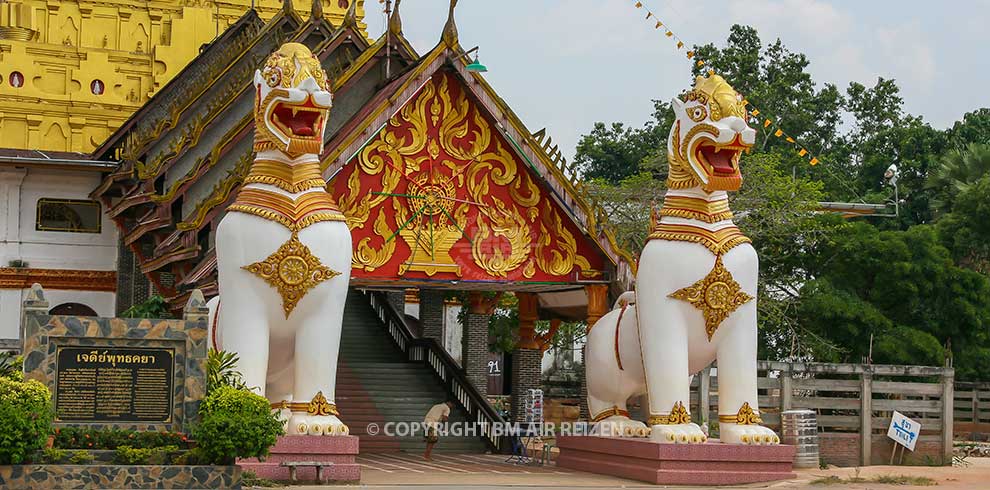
(114, 384)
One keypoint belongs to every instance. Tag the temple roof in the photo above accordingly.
(184, 155)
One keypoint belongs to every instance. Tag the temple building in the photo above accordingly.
(444, 189)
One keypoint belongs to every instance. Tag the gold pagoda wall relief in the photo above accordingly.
(72, 72)
(439, 194)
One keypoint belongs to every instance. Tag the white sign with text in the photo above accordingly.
(903, 430)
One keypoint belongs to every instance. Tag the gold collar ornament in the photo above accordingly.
(717, 295)
(678, 415)
(293, 270)
(745, 416)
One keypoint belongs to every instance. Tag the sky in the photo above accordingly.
(565, 64)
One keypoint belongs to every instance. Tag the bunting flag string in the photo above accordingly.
(799, 148)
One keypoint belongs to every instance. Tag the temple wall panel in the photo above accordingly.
(133, 49)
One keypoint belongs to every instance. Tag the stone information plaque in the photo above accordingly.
(114, 384)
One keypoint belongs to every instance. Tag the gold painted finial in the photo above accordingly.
(394, 21)
(450, 28)
(316, 11)
(350, 17)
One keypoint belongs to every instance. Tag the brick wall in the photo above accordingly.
(431, 314)
(475, 350)
(525, 376)
(842, 449)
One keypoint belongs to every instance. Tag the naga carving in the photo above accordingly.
(695, 289)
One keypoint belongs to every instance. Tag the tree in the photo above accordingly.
(973, 128)
(614, 152)
(899, 289)
(957, 171)
(966, 230)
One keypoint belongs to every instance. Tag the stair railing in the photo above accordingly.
(430, 352)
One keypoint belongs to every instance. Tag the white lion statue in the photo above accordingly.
(284, 252)
(695, 290)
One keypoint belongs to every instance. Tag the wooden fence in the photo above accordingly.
(972, 406)
(854, 403)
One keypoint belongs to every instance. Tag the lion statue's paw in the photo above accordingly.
(678, 434)
(752, 435)
(316, 425)
(619, 426)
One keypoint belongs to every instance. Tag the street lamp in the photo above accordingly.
(475, 65)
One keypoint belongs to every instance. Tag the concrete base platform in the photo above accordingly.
(342, 451)
(712, 463)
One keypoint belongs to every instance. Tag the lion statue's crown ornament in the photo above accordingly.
(696, 287)
(283, 252)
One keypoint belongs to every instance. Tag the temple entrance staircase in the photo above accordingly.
(379, 381)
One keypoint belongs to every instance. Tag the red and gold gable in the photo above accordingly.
(438, 194)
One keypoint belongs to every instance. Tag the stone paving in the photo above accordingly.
(481, 472)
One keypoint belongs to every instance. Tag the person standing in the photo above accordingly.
(438, 413)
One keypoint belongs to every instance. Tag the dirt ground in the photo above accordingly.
(484, 472)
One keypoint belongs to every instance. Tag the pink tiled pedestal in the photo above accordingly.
(342, 451)
(712, 463)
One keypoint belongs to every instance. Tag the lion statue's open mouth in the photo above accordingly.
(304, 121)
(720, 160)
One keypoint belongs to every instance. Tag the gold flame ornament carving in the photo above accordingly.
(678, 415)
(293, 270)
(320, 406)
(745, 416)
(717, 295)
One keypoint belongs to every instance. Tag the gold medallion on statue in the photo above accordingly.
(293, 270)
(717, 295)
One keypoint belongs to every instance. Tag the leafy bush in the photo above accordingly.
(82, 438)
(250, 479)
(131, 455)
(81, 456)
(235, 424)
(52, 455)
(153, 307)
(221, 370)
(25, 418)
(11, 366)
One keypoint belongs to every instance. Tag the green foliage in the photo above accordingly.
(11, 366)
(221, 370)
(250, 479)
(51, 455)
(85, 438)
(235, 424)
(25, 418)
(81, 456)
(128, 455)
(153, 307)
(900, 289)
